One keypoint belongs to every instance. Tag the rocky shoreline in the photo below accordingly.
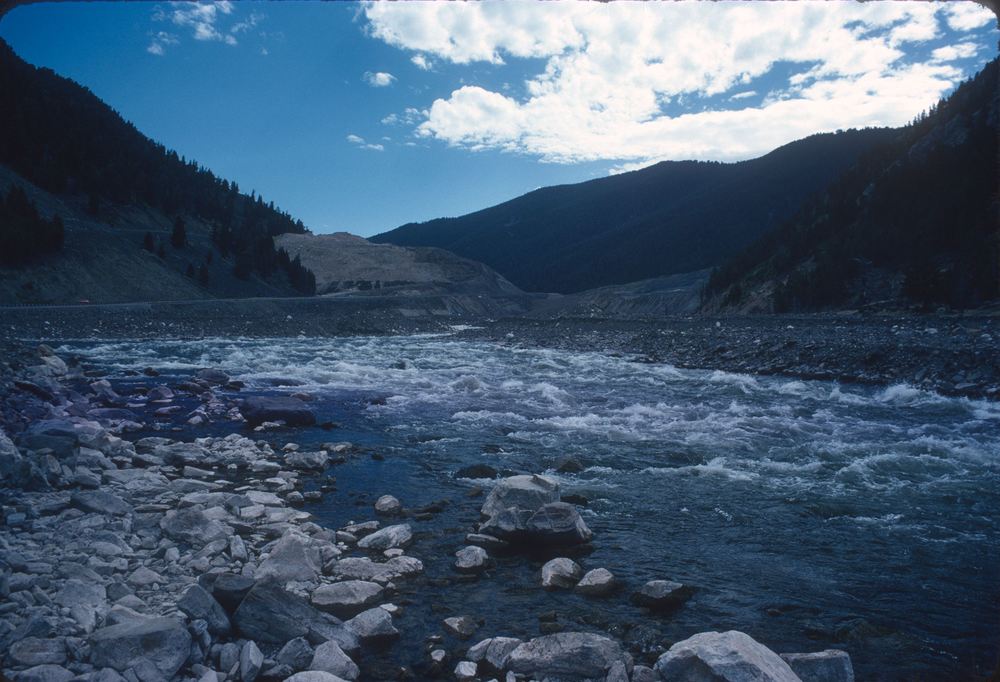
(144, 559)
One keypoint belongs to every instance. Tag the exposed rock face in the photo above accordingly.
(723, 657)
(568, 656)
(831, 665)
(164, 642)
(292, 411)
(561, 573)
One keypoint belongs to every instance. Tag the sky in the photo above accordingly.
(362, 117)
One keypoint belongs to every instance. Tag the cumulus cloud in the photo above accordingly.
(359, 141)
(966, 16)
(378, 79)
(628, 81)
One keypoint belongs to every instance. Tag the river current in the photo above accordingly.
(808, 514)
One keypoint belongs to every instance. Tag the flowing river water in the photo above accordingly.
(808, 514)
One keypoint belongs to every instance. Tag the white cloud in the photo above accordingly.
(622, 81)
(378, 79)
(159, 42)
(421, 61)
(950, 53)
(966, 16)
(203, 20)
(744, 95)
(360, 142)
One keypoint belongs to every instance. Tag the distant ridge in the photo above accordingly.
(673, 217)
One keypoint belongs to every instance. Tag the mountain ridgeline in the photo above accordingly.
(673, 217)
(916, 221)
(61, 141)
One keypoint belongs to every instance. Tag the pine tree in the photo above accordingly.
(178, 238)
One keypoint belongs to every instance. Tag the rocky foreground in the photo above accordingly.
(153, 559)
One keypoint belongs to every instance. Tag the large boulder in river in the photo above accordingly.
(347, 598)
(569, 656)
(164, 642)
(272, 615)
(389, 537)
(192, 526)
(527, 493)
(292, 411)
(527, 509)
(723, 657)
(292, 557)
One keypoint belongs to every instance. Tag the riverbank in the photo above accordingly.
(952, 354)
(141, 557)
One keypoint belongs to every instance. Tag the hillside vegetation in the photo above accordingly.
(78, 159)
(915, 221)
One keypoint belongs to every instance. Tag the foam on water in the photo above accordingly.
(831, 480)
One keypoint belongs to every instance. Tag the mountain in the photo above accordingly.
(916, 221)
(345, 263)
(673, 217)
(92, 209)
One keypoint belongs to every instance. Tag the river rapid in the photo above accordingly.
(808, 514)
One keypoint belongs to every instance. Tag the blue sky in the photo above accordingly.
(361, 117)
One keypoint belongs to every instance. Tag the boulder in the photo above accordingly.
(363, 568)
(197, 603)
(568, 656)
(599, 582)
(832, 665)
(193, 527)
(296, 654)
(373, 625)
(527, 493)
(466, 671)
(251, 661)
(561, 573)
(471, 559)
(387, 538)
(662, 595)
(558, 523)
(75, 592)
(45, 673)
(330, 658)
(723, 657)
(164, 642)
(347, 598)
(291, 558)
(292, 411)
(273, 615)
(32, 651)
(310, 461)
(462, 627)
(229, 590)
(100, 502)
(493, 653)
(388, 505)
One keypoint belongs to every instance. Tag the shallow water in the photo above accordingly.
(807, 514)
